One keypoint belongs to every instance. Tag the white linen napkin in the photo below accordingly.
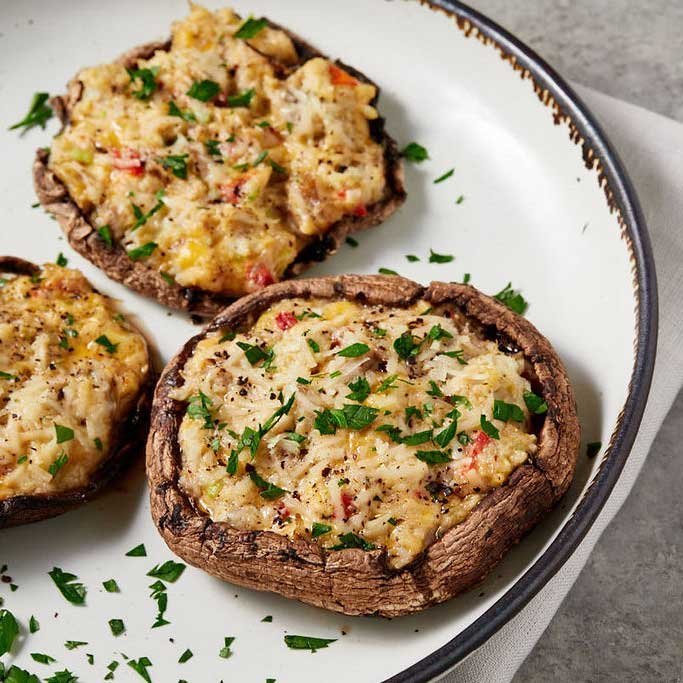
(651, 147)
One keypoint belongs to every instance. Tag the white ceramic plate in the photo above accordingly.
(568, 233)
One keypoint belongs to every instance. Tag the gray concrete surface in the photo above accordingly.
(623, 620)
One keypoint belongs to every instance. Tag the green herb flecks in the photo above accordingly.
(105, 342)
(105, 235)
(199, 408)
(414, 152)
(39, 113)
(250, 28)
(140, 216)
(354, 350)
(439, 258)
(169, 571)
(111, 586)
(307, 642)
(68, 586)
(350, 540)
(63, 434)
(8, 631)
(176, 163)
(140, 666)
(143, 251)
(137, 551)
(225, 651)
(445, 176)
(488, 428)
(147, 81)
(242, 99)
(57, 464)
(350, 416)
(512, 299)
(535, 403)
(433, 457)
(174, 110)
(204, 90)
(320, 529)
(360, 390)
(593, 448)
(507, 411)
(267, 489)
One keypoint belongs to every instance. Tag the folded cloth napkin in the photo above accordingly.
(651, 147)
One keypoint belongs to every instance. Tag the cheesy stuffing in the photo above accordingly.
(216, 161)
(70, 371)
(354, 426)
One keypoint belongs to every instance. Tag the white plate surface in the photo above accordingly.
(532, 214)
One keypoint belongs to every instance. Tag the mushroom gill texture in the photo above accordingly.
(352, 580)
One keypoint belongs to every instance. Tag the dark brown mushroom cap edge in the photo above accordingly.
(127, 444)
(83, 236)
(353, 581)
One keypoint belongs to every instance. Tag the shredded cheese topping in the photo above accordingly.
(217, 161)
(354, 426)
(70, 369)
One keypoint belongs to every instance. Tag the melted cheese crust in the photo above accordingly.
(53, 372)
(366, 481)
(261, 181)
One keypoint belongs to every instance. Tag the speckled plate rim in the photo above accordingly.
(566, 107)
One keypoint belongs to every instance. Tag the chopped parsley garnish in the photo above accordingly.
(350, 540)
(437, 332)
(352, 241)
(63, 434)
(105, 235)
(387, 384)
(8, 630)
(414, 152)
(303, 380)
(512, 299)
(439, 258)
(460, 199)
(199, 408)
(350, 416)
(593, 448)
(137, 551)
(412, 258)
(98, 443)
(57, 464)
(267, 619)
(535, 403)
(111, 586)
(464, 439)
(42, 658)
(393, 521)
(140, 216)
(379, 332)
(140, 666)
(160, 596)
(488, 428)
(73, 644)
(168, 279)
(507, 411)
(242, 99)
(433, 457)
(406, 346)
(61, 260)
(174, 110)
(225, 651)
(251, 438)
(39, 113)
(143, 251)
(147, 78)
(434, 389)
(466, 278)
(188, 654)
(460, 400)
(307, 643)
(277, 168)
(91, 659)
(228, 336)
(68, 586)
(269, 491)
(260, 158)
(117, 626)
(104, 342)
(176, 163)
(392, 431)
(418, 438)
(314, 346)
(458, 355)
(412, 410)
(33, 625)
(360, 390)
(250, 28)
(387, 271)
(111, 667)
(22, 459)
(445, 176)
(444, 437)
(64, 676)
(354, 350)
(255, 354)
(212, 147)
(169, 571)
(320, 529)
(6, 375)
(204, 90)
